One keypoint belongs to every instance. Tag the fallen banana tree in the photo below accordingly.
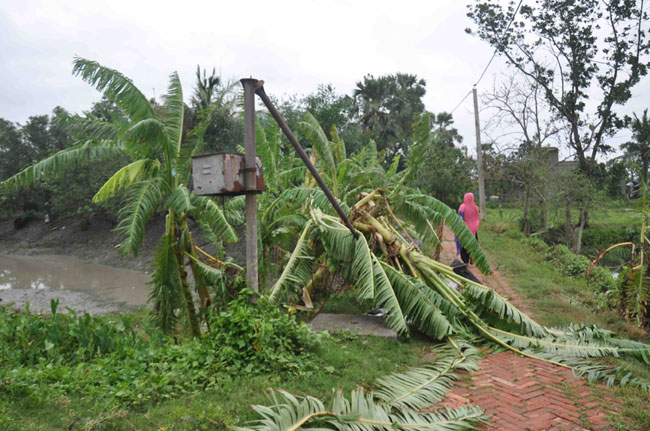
(395, 404)
(421, 292)
(387, 270)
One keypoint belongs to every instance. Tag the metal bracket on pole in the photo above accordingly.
(259, 90)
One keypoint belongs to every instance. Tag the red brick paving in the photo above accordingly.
(523, 394)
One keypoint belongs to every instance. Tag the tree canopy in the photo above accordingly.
(585, 55)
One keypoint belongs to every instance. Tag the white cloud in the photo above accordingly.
(292, 45)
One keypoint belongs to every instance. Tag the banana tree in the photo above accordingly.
(635, 280)
(348, 176)
(417, 291)
(396, 402)
(156, 177)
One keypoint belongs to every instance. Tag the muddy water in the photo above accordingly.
(78, 285)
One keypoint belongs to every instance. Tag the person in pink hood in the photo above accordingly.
(469, 213)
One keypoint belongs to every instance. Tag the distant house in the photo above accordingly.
(513, 192)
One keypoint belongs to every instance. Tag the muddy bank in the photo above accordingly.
(78, 263)
(93, 241)
(81, 286)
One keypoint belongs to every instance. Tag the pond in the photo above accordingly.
(79, 285)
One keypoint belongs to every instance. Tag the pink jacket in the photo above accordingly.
(469, 212)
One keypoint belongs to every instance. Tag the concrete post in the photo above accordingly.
(251, 198)
(479, 159)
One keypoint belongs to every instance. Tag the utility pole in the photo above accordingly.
(479, 159)
(250, 180)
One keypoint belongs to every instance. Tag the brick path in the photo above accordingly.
(523, 394)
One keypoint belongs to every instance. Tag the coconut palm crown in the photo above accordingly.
(155, 177)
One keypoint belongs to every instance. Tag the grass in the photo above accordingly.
(345, 362)
(554, 299)
(557, 300)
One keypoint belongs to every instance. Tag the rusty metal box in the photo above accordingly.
(223, 174)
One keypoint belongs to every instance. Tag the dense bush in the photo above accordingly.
(600, 237)
(259, 336)
(577, 265)
(536, 244)
(567, 262)
(29, 339)
(45, 356)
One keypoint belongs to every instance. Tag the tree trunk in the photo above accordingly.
(583, 216)
(182, 237)
(542, 208)
(526, 215)
(571, 229)
(192, 318)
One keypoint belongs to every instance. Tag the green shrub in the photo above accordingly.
(568, 263)
(577, 265)
(47, 356)
(261, 336)
(602, 280)
(29, 339)
(604, 236)
(536, 244)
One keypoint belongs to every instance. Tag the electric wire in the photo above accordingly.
(494, 53)
(461, 102)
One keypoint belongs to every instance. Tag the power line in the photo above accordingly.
(491, 58)
(461, 102)
(495, 49)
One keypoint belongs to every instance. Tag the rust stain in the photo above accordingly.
(224, 174)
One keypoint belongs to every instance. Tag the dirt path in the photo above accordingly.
(523, 394)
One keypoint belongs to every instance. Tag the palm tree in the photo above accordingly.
(390, 265)
(156, 177)
(214, 102)
(639, 148)
(349, 177)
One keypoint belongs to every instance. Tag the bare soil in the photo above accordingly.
(93, 242)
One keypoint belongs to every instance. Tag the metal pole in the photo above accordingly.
(305, 158)
(479, 159)
(249, 167)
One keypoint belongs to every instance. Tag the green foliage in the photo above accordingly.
(436, 166)
(576, 265)
(213, 105)
(569, 263)
(298, 270)
(419, 388)
(577, 52)
(387, 105)
(360, 411)
(28, 339)
(342, 361)
(598, 237)
(260, 337)
(639, 149)
(116, 87)
(109, 360)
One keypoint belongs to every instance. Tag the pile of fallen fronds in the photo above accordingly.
(388, 270)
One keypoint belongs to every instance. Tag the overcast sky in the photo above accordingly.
(293, 45)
